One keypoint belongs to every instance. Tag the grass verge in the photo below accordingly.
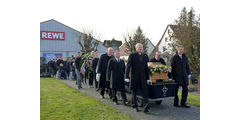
(60, 102)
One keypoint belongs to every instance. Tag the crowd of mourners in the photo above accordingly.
(63, 69)
(110, 73)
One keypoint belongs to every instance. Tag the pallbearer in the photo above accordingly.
(137, 62)
(102, 70)
(115, 74)
(158, 58)
(181, 73)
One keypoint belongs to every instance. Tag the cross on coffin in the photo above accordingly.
(164, 90)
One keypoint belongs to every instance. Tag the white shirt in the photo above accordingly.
(117, 59)
(180, 55)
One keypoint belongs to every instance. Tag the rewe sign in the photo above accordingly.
(51, 35)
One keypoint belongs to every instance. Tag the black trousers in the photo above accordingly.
(85, 77)
(144, 92)
(68, 72)
(184, 95)
(114, 96)
(94, 77)
(106, 85)
(91, 78)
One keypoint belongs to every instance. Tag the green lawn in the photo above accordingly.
(192, 99)
(60, 102)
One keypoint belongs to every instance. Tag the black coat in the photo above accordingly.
(65, 65)
(160, 60)
(115, 74)
(94, 64)
(58, 62)
(69, 65)
(77, 63)
(102, 68)
(180, 69)
(139, 71)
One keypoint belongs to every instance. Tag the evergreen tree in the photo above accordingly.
(138, 37)
(187, 33)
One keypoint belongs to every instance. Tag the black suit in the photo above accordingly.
(160, 60)
(115, 74)
(102, 69)
(180, 72)
(139, 75)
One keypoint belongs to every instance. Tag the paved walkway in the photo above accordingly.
(165, 111)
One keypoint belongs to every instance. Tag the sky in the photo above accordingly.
(115, 18)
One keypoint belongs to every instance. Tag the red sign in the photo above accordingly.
(51, 35)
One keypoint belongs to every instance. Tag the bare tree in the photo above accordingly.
(89, 40)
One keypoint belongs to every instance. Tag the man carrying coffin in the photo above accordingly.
(102, 70)
(181, 74)
(115, 74)
(137, 62)
(158, 58)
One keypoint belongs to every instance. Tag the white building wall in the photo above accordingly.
(165, 42)
(150, 47)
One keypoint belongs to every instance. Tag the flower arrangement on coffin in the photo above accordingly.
(158, 71)
(159, 68)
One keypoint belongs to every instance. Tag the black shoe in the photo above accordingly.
(136, 109)
(146, 108)
(102, 97)
(176, 105)
(185, 105)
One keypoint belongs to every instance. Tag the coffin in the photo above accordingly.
(157, 76)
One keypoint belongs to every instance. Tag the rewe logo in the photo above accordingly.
(51, 35)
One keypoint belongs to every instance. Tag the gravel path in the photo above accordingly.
(165, 111)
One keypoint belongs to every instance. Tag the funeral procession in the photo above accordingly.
(133, 76)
